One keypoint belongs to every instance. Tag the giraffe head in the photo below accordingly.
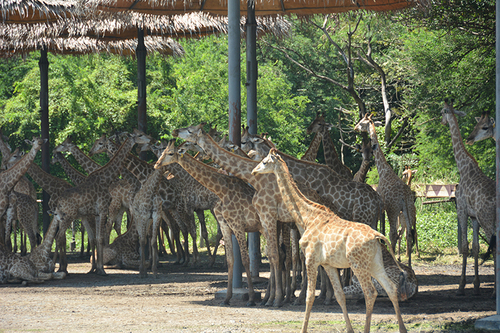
(36, 143)
(448, 111)
(65, 146)
(364, 124)
(12, 159)
(191, 133)
(485, 128)
(269, 164)
(99, 146)
(319, 125)
(57, 157)
(170, 155)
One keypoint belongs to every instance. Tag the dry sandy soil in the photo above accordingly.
(182, 299)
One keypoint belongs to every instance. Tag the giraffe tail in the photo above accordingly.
(491, 248)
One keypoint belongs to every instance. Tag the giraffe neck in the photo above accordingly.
(11, 176)
(76, 176)
(465, 161)
(52, 185)
(149, 188)
(4, 149)
(204, 174)
(135, 166)
(88, 164)
(41, 254)
(360, 176)
(301, 209)
(239, 166)
(111, 170)
(312, 151)
(331, 156)
(383, 168)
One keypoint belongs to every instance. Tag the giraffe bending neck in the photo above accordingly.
(40, 255)
(76, 176)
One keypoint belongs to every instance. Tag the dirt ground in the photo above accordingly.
(182, 299)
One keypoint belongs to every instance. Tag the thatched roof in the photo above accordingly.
(118, 26)
(85, 45)
(35, 11)
(262, 7)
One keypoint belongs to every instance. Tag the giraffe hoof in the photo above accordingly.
(250, 303)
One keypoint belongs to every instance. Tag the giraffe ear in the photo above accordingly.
(378, 123)
(477, 119)
(374, 146)
(28, 141)
(492, 120)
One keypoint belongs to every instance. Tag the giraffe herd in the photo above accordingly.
(252, 188)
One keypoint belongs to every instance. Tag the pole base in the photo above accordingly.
(489, 323)
(240, 294)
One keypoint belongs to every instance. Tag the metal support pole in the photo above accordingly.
(252, 73)
(233, 12)
(493, 322)
(141, 85)
(43, 64)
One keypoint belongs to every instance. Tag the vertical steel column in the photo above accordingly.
(497, 138)
(252, 73)
(43, 64)
(233, 13)
(141, 85)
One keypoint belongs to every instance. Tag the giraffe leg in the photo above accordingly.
(204, 232)
(312, 273)
(217, 213)
(303, 289)
(462, 224)
(333, 274)
(475, 253)
(288, 262)
(154, 247)
(100, 224)
(226, 232)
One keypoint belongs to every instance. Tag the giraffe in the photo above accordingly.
(146, 213)
(74, 175)
(349, 198)
(396, 194)
(169, 191)
(407, 175)
(36, 267)
(334, 243)
(484, 129)
(23, 208)
(121, 191)
(475, 196)
(236, 213)
(88, 164)
(9, 177)
(196, 197)
(367, 154)
(321, 127)
(393, 270)
(92, 197)
(123, 251)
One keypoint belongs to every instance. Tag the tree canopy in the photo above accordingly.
(398, 66)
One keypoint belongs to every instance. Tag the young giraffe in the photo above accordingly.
(9, 178)
(334, 243)
(236, 213)
(475, 196)
(484, 129)
(92, 197)
(321, 127)
(396, 194)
